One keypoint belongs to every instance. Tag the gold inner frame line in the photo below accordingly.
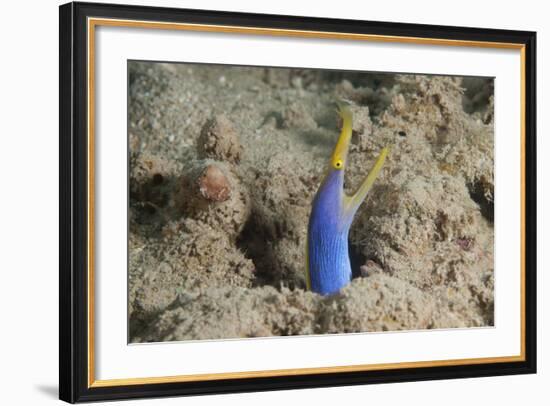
(92, 23)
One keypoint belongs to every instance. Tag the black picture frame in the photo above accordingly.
(74, 385)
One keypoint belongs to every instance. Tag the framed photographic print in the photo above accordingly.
(256, 202)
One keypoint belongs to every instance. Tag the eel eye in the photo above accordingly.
(338, 164)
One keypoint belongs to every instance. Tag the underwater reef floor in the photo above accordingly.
(224, 164)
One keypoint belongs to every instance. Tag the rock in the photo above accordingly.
(218, 140)
(210, 191)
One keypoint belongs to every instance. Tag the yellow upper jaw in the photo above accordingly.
(339, 156)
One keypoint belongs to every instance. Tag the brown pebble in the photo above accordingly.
(213, 184)
(364, 271)
(465, 243)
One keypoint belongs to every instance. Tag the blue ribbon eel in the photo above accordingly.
(327, 257)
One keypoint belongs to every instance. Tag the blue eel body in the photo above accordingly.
(332, 212)
(328, 231)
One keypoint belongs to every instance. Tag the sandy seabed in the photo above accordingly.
(224, 164)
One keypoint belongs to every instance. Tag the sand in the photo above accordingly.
(225, 161)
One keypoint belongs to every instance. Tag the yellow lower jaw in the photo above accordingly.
(353, 202)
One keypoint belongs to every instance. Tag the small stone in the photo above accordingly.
(364, 271)
(465, 243)
(346, 85)
(213, 184)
